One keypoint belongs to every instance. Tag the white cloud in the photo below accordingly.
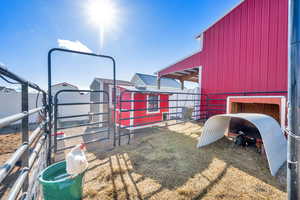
(73, 45)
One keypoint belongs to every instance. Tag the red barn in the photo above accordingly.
(140, 107)
(245, 52)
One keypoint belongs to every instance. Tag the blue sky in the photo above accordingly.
(150, 35)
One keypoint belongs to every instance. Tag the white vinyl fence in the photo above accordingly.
(73, 97)
(10, 103)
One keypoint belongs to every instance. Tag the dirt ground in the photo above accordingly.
(9, 143)
(164, 163)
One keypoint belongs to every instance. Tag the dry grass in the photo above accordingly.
(165, 164)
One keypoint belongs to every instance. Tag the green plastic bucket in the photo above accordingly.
(57, 184)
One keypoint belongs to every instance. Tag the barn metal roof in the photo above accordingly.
(151, 80)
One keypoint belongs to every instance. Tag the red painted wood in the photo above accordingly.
(148, 117)
(244, 51)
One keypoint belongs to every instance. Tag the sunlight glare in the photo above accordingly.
(102, 13)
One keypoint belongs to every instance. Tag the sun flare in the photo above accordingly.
(102, 13)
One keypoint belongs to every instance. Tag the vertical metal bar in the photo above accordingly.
(50, 104)
(207, 102)
(131, 131)
(158, 82)
(25, 128)
(114, 100)
(182, 84)
(45, 126)
(55, 123)
(194, 111)
(293, 175)
(120, 117)
(176, 108)
(129, 135)
(109, 115)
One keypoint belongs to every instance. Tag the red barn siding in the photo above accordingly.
(244, 51)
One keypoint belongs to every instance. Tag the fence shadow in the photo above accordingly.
(160, 163)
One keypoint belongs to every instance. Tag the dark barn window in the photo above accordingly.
(152, 103)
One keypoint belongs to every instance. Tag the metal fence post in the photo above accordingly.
(207, 111)
(120, 116)
(293, 156)
(55, 123)
(45, 112)
(108, 114)
(25, 128)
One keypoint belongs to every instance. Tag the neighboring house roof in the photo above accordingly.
(64, 84)
(111, 81)
(150, 80)
(5, 89)
(162, 90)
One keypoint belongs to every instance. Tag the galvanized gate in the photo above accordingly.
(55, 118)
(99, 121)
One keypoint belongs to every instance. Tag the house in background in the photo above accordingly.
(6, 90)
(71, 97)
(147, 104)
(150, 82)
(107, 86)
(62, 86)
(145, 101)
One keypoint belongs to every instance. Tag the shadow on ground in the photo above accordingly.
(164, 163)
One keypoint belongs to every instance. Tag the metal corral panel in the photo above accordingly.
(275, 143)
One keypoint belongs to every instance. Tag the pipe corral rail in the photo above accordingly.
(215, 103)
(29, 153)
(107, 123)
(36, 148)
(171, 112)
(203, 105)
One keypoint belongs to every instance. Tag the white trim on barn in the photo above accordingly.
(201, 41)
(139, 127)
(132, 107)
(179, 60)
(282, 106)
(158, 105)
